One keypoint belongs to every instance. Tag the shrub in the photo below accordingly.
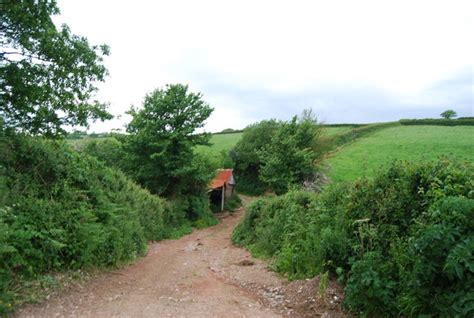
(233, 203)
(276, 155)
(108, 150)
(401, 242)
(438, 267)
(289, 157)
(60, 210)
(245, 156)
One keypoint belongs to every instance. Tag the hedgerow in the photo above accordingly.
(402, 242)
(462, 121)
(62, 210)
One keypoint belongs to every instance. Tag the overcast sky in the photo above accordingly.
(351, 61)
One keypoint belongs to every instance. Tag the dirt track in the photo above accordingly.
(199, 275)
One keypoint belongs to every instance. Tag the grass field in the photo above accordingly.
(365, 155)
(219, 143)
(331, 131)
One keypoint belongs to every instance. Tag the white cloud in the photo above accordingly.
(280, 47)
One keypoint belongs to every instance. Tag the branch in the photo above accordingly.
(25, 55)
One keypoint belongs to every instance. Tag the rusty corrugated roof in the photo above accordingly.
(223, 176)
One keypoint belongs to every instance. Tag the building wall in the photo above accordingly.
(229, 191)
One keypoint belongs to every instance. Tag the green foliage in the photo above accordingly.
(276, 155)
(108, 150)
(402, 242)
(371, 287)
(60, 210)
(161, 141)
(228, 131)
(246, 158)
(323, 284)
(289, 157)
(448, 114)
(233, 203)
(465, 121)
(48, 76)
(439, 258)
(160, 150)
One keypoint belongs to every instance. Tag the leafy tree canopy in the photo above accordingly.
(47, 76)
(276, 155)
(289, 157)
(448, 114)
(162, 137)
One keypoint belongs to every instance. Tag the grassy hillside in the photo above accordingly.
(367, 154)
(220, 142)
(331, 131)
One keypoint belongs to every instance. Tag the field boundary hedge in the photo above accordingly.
(344, 125)
(228, 132)
(466, 121)
(359, 132)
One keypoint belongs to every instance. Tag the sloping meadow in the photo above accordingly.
(61, 210)
(402, 242)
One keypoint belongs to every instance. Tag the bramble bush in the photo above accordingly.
(402, 242)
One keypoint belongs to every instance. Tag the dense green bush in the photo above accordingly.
(246, 159)
(276, 155)
(108, 150)
(401, 242)
(463, 121)
(289, 157)
(233, 203)
(60, 209)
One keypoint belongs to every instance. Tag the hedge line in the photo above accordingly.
(465, 121)
(362, 131)
(344, 125)
(61, 210)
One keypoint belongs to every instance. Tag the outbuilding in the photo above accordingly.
(222, 186)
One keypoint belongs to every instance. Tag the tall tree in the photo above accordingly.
(47, 76)
(162, 137)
